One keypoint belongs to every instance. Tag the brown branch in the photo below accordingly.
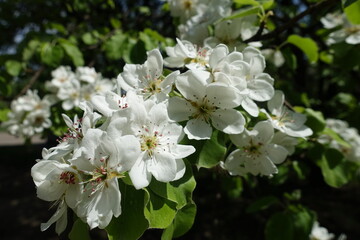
(293, 21)
(31, 82)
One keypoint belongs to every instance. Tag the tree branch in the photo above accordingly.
(31, 82)
(293, 21)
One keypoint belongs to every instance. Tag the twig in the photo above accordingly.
(289, 24)
(31, 82)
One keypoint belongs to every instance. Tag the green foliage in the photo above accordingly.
(352, 10)
(13, 67)
(262, 204)
(79, 231)
(335, 169)
(132, 223)
(73, 52)
(307, 45)
(51, 55)
(212, 152)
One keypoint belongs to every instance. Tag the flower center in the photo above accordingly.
(67, 177)
(204, 109)
(149, 143)
(253, 150)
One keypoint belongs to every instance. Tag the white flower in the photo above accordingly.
(205, 104)
(348, 32)
(274, 55)
(350, 135)
(54, 180)
(103, 160)
(161, 155)
(184, 53)
(62, 76)
(255, 154)
(320, 233)
(87, 74)
(29, 115)
(284, 120)
(185, 9)
(243, 71)
(57, 182)
(147, 79)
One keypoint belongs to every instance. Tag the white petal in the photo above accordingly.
(218, 53)
(265, 131)
(179, 109)
(190, 86)
(250, 107)
(260, 90)
(182, 151)
(180, 169)
(229, 121)
(234, 163)
(163, 167)
(276, 103)
(276, 153)
(222, 95)
(198, 129)
(139, 174)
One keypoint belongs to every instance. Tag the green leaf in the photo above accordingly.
(13, 67)
(79, 231)
(326, 57)
(331, 133)
(300, 169)
(89, 38)
(307, 45)
(51, 55)
(335, 169)
(352, 11)
(160, 212)
(179, 191)
(279, 227)
(184, 219)
(30, 50)
(315, 120)
(4, 114)
(115, 46)
(148, 41)
(303, 220)
(243, 13)
(212, 152)
(73, 52)
(131, 224)
(5, 87)
(262, 204)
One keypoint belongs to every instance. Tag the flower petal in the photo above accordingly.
(198, 129)
(229, 121)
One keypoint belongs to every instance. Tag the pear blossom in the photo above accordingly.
(205, 104)
(255, 152)
(185, 53)
(244, 71)
(320, 233)
(350, 33)
(285, 120)
(273, 55)
(147, 79)
(349, 134)
(87, 74)
(185, 9)
(29, 115)
(161, 155)
(103, 160)
(57, 182)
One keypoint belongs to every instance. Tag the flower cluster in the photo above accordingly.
(349, 134)
(29, 115)
(139, 133)
(343, 29)
(71, 88)
(197, 15)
